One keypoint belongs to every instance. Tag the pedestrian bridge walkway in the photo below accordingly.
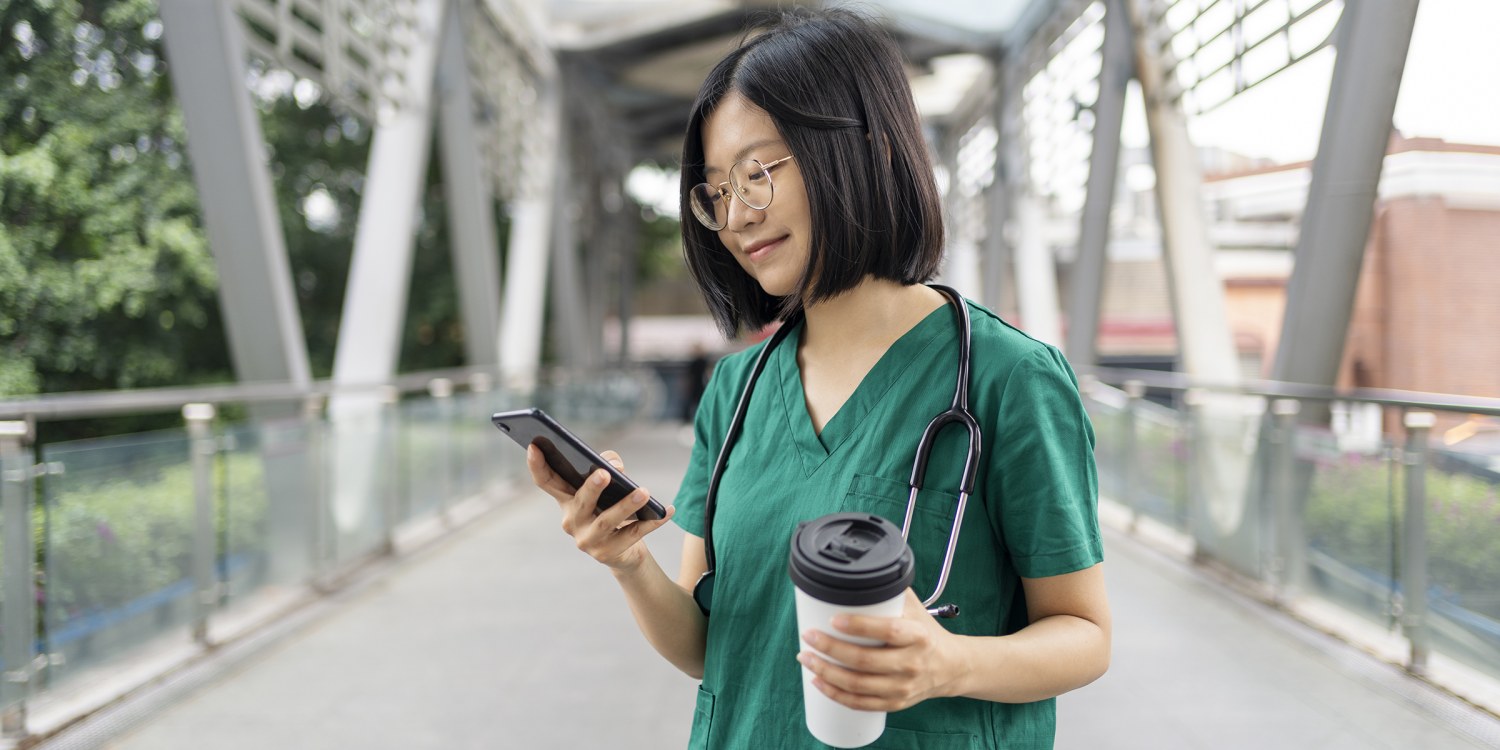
(502, 635)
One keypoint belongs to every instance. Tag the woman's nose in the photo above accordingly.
(741, 215)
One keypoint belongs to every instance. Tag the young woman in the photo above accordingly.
(809, 199)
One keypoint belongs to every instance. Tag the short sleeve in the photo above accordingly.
(1047, 510)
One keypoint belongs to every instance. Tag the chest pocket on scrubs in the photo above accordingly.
(931, 524)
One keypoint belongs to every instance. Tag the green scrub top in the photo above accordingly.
(1033, 514)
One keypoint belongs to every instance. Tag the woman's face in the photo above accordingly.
(771, 244)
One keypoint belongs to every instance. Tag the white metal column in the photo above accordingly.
(471, 208)
(380, 270)
(1036, 273)
(1372, 44)
(1203, 334)
(1086, 282)
(375, 302)
(567, 300)
(529, 251)
(206, 49)
(1204, 339)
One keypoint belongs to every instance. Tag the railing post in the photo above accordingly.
(1286, 545)
(318, 502)
(390, 407)
(1192, 408)
(1130, 470)
(201, 448)
(1414, 538)
(441, 390)
(480, 385)
(18, 576)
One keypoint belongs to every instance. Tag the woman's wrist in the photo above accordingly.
(960, 657)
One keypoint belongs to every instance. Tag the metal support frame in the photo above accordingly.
(995, 255)
(529, 253)
(1086, 282)
(1129, 469)
(471, 209)
(207, 49)
(1287, 542)
(1414, 540)
(1203, 334)
(567, 301)
(441, 390)
(1036, 273)
(384, 238)
(205, 42)
(1372, 43)
(18, 576)
(225, 142)
(201, 449)
(628, 221)
(375, 303)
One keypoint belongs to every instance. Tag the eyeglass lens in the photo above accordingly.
(750, 181)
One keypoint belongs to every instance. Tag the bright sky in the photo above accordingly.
(1451, 90)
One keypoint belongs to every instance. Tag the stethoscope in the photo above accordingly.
(958, 412)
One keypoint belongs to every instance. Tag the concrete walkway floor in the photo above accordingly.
(505, 636)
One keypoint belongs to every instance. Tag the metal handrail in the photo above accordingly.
(1174, 381)
(143, 400)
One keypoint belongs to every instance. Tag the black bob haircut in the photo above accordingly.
(832, 81)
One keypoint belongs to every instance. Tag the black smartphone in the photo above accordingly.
(570, 457)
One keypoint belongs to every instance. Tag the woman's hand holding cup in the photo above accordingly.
(612, 536)
(916, 663)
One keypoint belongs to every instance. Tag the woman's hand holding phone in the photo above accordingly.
(612, 536)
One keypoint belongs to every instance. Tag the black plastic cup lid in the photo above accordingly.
(850, 559)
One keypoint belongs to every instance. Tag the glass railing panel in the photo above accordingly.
(469, 436)
(1352, 522)
(288, 451)
(424, 439)
(1109, 427)
(1225, 510)
(117, 547)
(358, 476)
(243, 513)
(1463, 555)
(1161, 491)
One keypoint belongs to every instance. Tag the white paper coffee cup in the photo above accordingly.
(853, 564)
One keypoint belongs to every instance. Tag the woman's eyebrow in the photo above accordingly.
(742, 153)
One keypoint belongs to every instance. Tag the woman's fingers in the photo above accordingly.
(578, 515)
(544, 477)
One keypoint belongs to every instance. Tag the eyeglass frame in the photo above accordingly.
(735, 192)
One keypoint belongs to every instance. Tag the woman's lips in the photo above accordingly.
(761, 252)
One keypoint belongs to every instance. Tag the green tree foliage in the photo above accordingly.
(105, 276)
(106, 279)
(318, 159)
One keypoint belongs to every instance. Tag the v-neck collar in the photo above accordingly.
(815, 448)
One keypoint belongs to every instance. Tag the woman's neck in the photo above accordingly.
(871, 315)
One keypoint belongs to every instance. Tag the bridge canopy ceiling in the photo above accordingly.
(646, 58)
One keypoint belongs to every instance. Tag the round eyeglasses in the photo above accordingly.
(749, 180)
